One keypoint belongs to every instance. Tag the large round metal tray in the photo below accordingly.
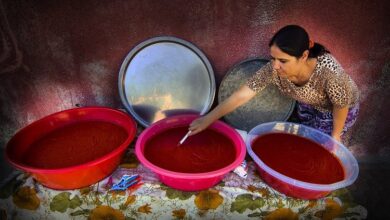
(268, 105)
(165, 76)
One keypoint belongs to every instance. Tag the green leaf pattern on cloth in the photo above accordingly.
(246, 201)
(75, 202)
(80, 212)
(176, 194)
(62, 202)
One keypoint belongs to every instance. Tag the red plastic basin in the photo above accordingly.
(76, 176)
(189, 181)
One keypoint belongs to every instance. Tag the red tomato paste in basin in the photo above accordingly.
(200, 162)
(204, 152)
(300, 161)
(75, 144)
(298, 158)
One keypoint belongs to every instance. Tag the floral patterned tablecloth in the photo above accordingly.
(233, 198)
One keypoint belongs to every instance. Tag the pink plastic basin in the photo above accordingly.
(189, 181)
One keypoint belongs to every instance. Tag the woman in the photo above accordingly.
(327, 98)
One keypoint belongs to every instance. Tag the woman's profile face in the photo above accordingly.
(286, 66)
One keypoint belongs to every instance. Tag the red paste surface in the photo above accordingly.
(204, 152)
(75, 144)
(298, 158)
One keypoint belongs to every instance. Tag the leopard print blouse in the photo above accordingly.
(328, 86)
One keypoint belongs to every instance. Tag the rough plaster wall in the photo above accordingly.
(372, 137)
(69, 52)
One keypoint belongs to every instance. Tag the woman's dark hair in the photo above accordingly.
(294, 40)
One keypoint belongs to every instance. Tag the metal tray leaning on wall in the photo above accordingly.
(165, 76)
(268, 105)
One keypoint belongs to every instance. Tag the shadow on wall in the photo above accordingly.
(10, 55)
(371, 140)
(5, 168)
(10, 61)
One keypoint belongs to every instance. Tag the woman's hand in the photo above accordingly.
(200, 124)
(239, 97)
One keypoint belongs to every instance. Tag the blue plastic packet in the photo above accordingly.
(125, 182)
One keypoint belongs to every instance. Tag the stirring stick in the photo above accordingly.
(184, 138)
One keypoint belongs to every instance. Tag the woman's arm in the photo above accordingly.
(339, 117)
(238, 98)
